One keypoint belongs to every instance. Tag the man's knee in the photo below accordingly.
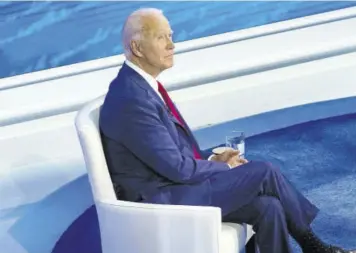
(266, 166)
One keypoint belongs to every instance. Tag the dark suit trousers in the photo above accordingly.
(258, 194)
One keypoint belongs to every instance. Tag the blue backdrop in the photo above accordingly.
(41, 35)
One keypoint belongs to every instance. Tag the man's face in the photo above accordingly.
(157, 47)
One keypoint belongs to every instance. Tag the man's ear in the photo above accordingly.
(136, 48)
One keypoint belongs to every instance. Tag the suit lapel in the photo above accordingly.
(138, 79)
(189, 132)
(174, 119)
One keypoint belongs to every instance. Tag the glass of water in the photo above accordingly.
(236, 140)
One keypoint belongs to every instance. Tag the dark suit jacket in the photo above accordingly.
(149, 153)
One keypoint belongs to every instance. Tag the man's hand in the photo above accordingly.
(239, 161)
(231, 157)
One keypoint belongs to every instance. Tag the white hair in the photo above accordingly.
(133, 27)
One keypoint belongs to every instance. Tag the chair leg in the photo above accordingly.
(251, 246)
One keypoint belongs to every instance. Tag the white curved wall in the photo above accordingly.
(234, 98)
(45, 152)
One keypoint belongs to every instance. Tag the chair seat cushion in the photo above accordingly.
(234, 237)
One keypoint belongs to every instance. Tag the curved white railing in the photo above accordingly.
(182, 47)
(193, 68)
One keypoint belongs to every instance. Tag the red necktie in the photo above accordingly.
(175, 113)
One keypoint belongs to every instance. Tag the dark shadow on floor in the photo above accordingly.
(82, 236)
(41, 224)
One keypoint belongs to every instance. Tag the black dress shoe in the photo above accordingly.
(334, 249)
(310, 243)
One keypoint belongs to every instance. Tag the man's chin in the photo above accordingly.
(168, 65)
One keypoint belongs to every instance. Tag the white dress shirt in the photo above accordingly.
(151, 81)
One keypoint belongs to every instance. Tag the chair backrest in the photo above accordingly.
(87, 126)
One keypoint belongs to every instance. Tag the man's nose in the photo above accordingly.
(170, 44)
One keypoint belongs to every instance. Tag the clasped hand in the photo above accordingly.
(231, 157)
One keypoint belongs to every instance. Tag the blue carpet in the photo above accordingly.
(318, 157)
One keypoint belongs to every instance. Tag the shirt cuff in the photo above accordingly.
(211, 156)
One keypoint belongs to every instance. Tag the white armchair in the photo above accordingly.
(129, 227)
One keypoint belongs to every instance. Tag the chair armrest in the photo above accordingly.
(130, 227)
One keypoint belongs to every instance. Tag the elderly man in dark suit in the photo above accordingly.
(153, 157)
